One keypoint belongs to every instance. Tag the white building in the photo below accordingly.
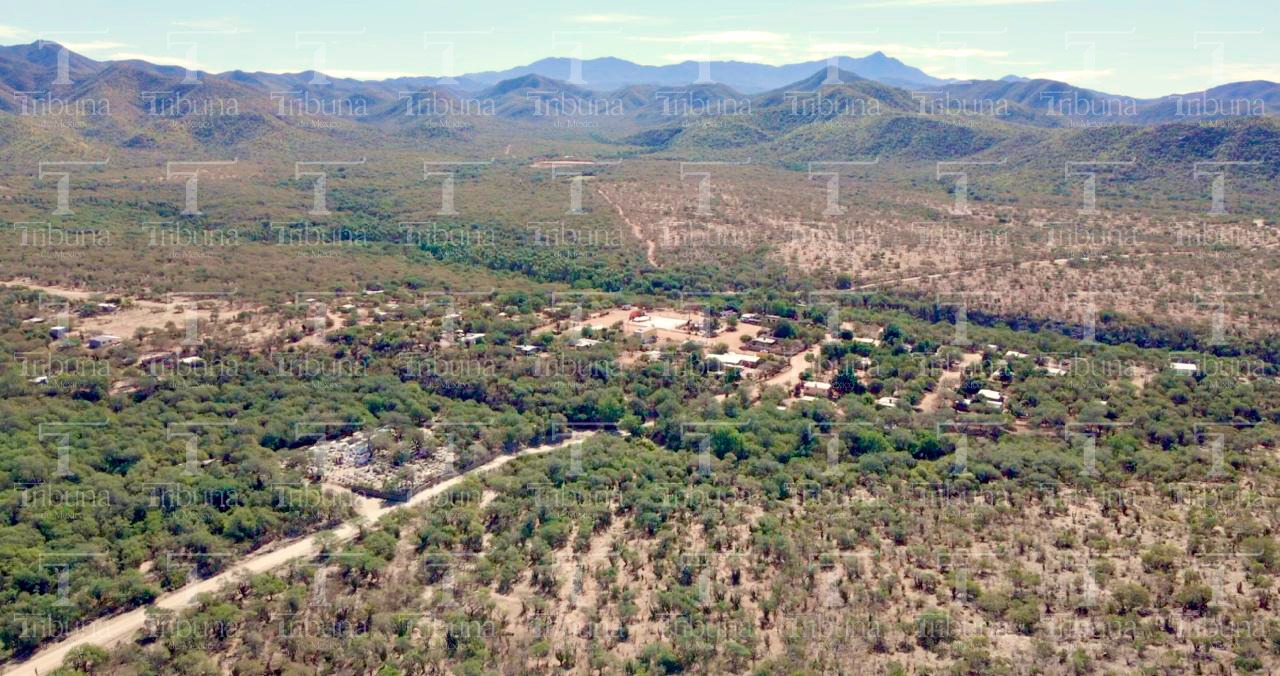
(991, 396)
(104, 340)
(737, 360)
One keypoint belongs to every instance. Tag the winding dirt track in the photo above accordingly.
(651, 247)
(112, 630)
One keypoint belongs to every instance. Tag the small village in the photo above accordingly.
(760, 350)
(752, 351)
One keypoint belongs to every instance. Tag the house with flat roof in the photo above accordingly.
(104, 340)
(816, 389)
(736, 360)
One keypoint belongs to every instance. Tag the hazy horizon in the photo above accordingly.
(1139, 49)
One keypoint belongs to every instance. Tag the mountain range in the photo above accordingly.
(24, 67)
(790, 113)
(607, 74)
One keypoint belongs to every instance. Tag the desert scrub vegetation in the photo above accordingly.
(762, 556)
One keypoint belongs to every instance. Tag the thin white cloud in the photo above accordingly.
(608, 18)
(1075, 76)
(1230, 72)
(366, 74)
(900, 50)
(158, 59)
(723, 38)
(93, 45)
(11, 32)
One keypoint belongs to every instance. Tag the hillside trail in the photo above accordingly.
(651, 247)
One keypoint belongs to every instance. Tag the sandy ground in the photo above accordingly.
(607, 319)
(181, 310)
(112, 630)
(71, 294)
(138, 314)
(789, 378)
(949, 379)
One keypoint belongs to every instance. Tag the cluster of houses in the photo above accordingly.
(95, 342)
(1049, 368)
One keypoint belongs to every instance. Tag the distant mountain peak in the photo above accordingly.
(611, 73)
(825, 77)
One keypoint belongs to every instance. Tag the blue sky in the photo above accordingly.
(1136, 47)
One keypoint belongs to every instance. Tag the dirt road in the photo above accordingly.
(789, 378)
(651, 247)
(950, 379)
(111, 630)
(65, 292)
